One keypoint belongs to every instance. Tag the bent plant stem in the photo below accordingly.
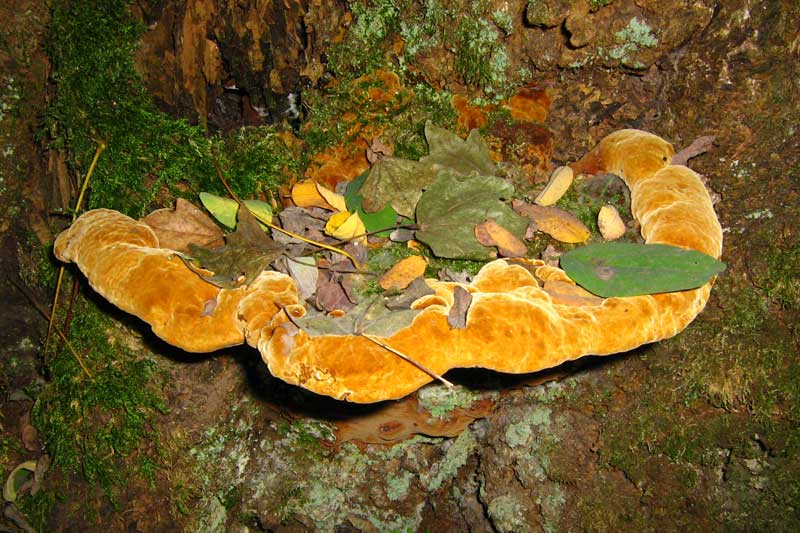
(101, 146)
(44, 313)
(406, 358)
(275, 227)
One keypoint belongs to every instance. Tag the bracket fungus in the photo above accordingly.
(514, 324)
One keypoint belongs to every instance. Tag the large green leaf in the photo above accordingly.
(373, 222)
(400, 182)
(452, 206)
(225, 209)
(628, 269)
(449, 151)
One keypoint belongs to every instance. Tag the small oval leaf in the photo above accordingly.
(628, 269)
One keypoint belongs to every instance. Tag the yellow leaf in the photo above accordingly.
(403, 273)
(556, 222)
(490, 233)
(610, 223)
(345, 226)
(311, 194)
(336, 201)
(559, 183)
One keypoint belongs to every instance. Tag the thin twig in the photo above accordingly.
(406, 358)
(100, 148)
(44, 313)
(385, 346)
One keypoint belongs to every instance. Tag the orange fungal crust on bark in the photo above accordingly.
(524, 315)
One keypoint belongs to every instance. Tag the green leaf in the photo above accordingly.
(385, 218)
(247, 252)
(628, 269)
(370, 316)
(449, 210)
(449, 152)
(399, 182)
(225, 209)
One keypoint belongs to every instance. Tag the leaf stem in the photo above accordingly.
(101, 146)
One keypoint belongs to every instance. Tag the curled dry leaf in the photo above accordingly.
(403, 273)
(490, 233)
(557, 223)
(311, 194)
(559, 183)
(377, 150)
(346, 226)
(610, 223)
(699, 146)
(457, 317)
(185, 224)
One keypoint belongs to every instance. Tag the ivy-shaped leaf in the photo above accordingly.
(452, 206)
(628, 269)
(246, 253)
(399, 182)
(370, 316)
(449, 152)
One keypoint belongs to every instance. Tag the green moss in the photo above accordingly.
(98, 96)
(256, 160)
(367, 39)
(89, 426)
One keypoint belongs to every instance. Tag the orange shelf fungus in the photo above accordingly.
(522, 316)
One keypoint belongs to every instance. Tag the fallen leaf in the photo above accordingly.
(370, 316)
(186, 223)
(28, 434)
(225, 209)
(559, 183)
(397, 183)
(379, 222)
(403, 273)
(309, 193)
(556, 222)
(448, 151)
(331, 294)
(304, 272)
(412, 293)
(377, 150)
(451, 207)
(628, 269)
(247, 252)
(18, 479)
(490, 233)
(610, 223)
(457, 318)
(565, 293)
(345, 226)
(699, 146)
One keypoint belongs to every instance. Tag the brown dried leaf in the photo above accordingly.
(185, 224)
(557, 223)
(377, 150)
(490, 233)
(457, 318)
